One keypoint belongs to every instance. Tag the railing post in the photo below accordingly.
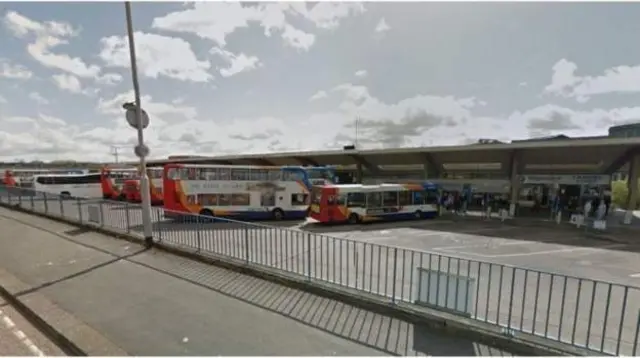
(198, 233)
(33, 205)
(46, 203)
(9, 195)
(61, 205)
(395, 270)
(247, 257)
(101, 213)
(309, 256)
(127, 220)
(159, 225)
(79, 209)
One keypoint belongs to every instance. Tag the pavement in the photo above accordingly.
(131, 301)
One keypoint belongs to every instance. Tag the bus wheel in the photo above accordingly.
(207, 214)
(278, 214)
(121, 197)
(418, 214)
(354, 219)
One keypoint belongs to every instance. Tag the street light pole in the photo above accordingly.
(144, 179)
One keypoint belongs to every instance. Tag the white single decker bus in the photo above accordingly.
(69, 185)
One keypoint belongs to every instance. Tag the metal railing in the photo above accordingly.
(599, 315)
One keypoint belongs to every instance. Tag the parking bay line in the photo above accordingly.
(545, 252)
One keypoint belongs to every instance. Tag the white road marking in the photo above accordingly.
(635, 275)
(548, 252)
(20, 335)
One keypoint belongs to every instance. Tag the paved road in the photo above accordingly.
(10, 344)
(151, 303)
(19, 338)
(354, 257)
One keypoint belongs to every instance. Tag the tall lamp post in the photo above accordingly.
(138, 119)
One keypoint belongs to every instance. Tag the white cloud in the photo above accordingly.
(52, 120)
(565, 82)
(361, 73)
(156, 56)
(382, 26)
(160, 112)
(67, 82)
(48, 35)
(177, 128)
(318, 95)
(327, 15)
(14, 71)
(110, 79)
(237, 63)
(215, 21)
(38, 98)
(3, 100)
(523, 84)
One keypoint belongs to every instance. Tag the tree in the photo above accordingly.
(619, 192)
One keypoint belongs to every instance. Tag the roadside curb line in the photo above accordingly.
(485, 333)
(67, 346)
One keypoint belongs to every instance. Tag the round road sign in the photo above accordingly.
(131, 118)
(141, 150)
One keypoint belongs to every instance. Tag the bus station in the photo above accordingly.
(530, 174)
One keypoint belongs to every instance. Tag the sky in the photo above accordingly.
(220, 78)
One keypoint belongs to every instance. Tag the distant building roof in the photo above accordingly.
(558, 137)
(625, 126)
(541, 139)
(488, 141)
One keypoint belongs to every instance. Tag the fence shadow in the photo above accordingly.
(386, 334)
(177, 226)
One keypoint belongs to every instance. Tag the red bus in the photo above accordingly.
(131, 187)
(112, 179)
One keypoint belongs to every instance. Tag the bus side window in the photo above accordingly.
(191, 174)
(404, 198)
(374, 200)
(390, 198)
(224, 174)
(356, 200)
(417, 198)
(275, 175)
(299, 199)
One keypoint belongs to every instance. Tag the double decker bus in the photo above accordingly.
(24, 177)
(112, 180)
(356, 203)
(69, 185)
(243, 192)
(132, 188)
(322, 175)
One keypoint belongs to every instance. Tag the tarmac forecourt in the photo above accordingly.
(358, 271)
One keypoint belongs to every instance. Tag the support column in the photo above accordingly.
(359, 173)
(431, 170)
(515, 186)
(632, 185)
